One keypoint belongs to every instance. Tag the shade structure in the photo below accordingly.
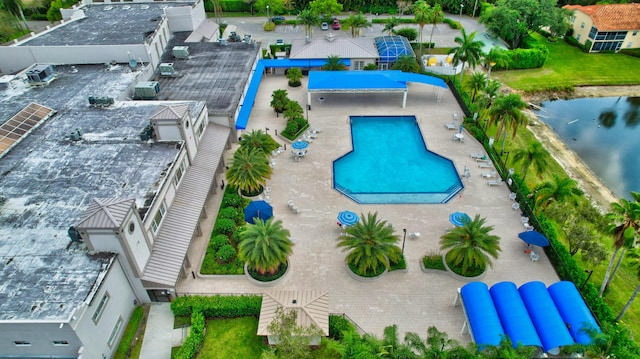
(258, 209)
(535, 238)
(513, 315)
(458, 219)
(574, 311)
(299, 145)
(348, 218)
(484, 323)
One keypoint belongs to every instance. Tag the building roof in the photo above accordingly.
(331, 45)
(214, 73)
(311, 307)
(48, 182)
(391, 48)
(107, 24)
(612, 17)
(106, 213)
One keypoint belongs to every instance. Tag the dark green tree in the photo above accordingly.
(535, 155)
(249, 169)
(309, 19)
(406, 63)
(265, 245)
(468, 51)
(471, 246)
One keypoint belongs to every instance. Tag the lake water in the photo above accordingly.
(605, 133)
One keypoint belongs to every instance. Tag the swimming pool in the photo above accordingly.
(390, 163)
(490, 41)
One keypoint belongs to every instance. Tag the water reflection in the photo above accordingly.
(604, 133)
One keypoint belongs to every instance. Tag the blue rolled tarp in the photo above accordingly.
(484, 323)
(513, 315)
(545, 316)
(573, 311)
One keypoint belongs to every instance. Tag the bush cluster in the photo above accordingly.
(218, 306)
(532, 55)
(410, 33)
(193, 342)
(452, 23)
(338, 324)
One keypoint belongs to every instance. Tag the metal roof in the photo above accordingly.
(178, 226)
(170, 112)
(391, 48)
(311, 307)
(323, 47)
(106, 213)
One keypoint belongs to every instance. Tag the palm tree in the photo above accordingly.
(294, 75)
(635, 255)
(310, 20)
(506, 350)
(561, 189)
(437, 345)
(334, 63)
(265, 245)
(14, 7)
(293, 111)
(249, 169)
(624, 224)
(260, 140)
(471, 246)
(406, 63)
(390, 23)
(422, 14)
(477, 82)
(436, 16)
(355, 23)
(370, 243)
(506, 112)
(469, 51)
(496, 56)
(535, 155)
(394, 347)
(279, 100)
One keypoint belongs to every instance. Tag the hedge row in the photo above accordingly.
(532, 55)
(193, 342)
(218, 306)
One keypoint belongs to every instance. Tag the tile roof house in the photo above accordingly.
(607, 27)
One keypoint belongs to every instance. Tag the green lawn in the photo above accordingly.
(232, 338)
(568, 65)
(129, 336)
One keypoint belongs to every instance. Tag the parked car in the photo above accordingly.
(277, 18)
(324, 26)
(336, 24)
(279, 41)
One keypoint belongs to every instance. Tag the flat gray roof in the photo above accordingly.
(47, 181)
(214, 73)
(107, 24)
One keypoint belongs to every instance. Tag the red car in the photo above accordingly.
(336, 24)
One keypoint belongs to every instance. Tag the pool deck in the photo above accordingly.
(413, 300)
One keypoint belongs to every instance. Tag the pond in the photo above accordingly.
(604, 133)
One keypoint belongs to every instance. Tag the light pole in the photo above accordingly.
(267, 12)
(475, 5)
(461, 7)
(404, 239)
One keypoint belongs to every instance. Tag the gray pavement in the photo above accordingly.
(158, 333)
(413, 300)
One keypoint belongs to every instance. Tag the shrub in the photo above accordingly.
(269, 277)
(631, 52)
(225, 226)
(433, 261)
(370, 67)
(452, 23)
(218, 241)
(338, 325)
(193, 342)
(410, 33)
(226, 253)
(401, 264)
(269, 26)
(228, 213)
(232, 200)
(218, 306)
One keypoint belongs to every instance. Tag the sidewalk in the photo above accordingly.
(158, 333)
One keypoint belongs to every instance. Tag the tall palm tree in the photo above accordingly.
(370, 243)
(355, 23)
(437, 345)
(496, 56)
(390, 23)
(469, 50)
(561, 189)
(394, 346)
(506, 112)
(422, 14)
(14, 7)
(292, 111)
(334, 63)
(265, 245)
(535, 155)
(406, 63)
(279, 100)
(249, 169)
(635, 255)
(435, 16)
(624, 224)
(477, 82)
(471, 245)
(260, 140)
(309, 19)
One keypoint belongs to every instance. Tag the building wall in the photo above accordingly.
(581, 26)
(95, 334)
(40, 338)
(186, 18)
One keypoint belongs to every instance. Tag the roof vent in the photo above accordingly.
(101, 101)
(40, 75)
(107, 8)
(330, 37)
(166, 69)
(75, 135)
(180, 52)
(295, 301)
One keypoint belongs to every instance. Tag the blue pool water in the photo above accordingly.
(390, 163)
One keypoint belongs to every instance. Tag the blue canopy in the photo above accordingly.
(573, 311)
(348, 218)
(484, 323)
(258, 209)
(513, 315)
(299, 145)
(534, 237)
(458, 219)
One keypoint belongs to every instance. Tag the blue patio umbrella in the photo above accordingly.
(460, 128)
(299, 145)
(458, 219)
(258, 209)
(348, 218)
(535, 238)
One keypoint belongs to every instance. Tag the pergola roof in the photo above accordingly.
(392, 47)
(312, 307)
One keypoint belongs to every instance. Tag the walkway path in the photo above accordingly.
(157, 336)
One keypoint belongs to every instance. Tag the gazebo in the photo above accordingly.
(311, 307)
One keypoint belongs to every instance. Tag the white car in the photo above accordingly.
(324, 26)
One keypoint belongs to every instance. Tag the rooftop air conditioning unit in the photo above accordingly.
(40, 74)
(166, 69)
(146, 90)
(180, 52)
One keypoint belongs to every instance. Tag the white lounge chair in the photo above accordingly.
(477, 155)
(515, 206)
(496, 182)
(491, 174)
(451, 126)
(485, 165)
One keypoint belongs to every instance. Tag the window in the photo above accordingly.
(358, 65)
(132, 227)
(629, 44)
(200, 129)
(593, 32)
(157, 219)
(578, 37)
(635, 33)
(582, 25)
(179, 173)
(100, 307)
(60, 343)
(114, 332)
(573, 19)
(22, 343)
